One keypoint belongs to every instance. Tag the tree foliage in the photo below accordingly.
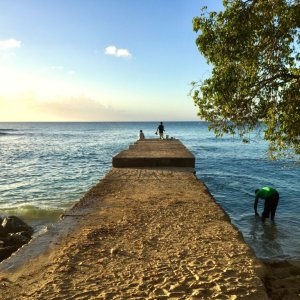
(253, 47)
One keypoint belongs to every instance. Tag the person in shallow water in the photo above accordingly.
(271, 197)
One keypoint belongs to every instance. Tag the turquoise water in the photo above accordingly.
(47, 167)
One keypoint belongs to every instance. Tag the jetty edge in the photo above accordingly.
(143, 232)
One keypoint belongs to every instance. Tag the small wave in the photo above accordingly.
(31, 212)
(7, 129)
(9, 132)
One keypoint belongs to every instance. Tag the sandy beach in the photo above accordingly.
(149, 234)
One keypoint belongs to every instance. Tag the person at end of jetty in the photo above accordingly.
(160, 129)
(271, 197)
(141, 135)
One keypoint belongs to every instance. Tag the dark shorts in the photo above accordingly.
(270, 206)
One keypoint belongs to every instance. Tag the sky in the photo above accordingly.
(99, 60)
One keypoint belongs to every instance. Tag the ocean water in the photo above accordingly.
(47, 167)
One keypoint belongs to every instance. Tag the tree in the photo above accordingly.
(253, 47)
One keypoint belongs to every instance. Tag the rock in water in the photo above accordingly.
(3, 232)
(17, 239)
(14, 233)
(6, 252)
(13, 224)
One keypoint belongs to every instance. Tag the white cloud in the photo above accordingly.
(113, 50)
(9, 44)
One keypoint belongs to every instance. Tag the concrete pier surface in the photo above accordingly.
(140, 233)
(155, 153)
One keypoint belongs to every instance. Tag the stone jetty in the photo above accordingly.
(155, 153)
(148, 230)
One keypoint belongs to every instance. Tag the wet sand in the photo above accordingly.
(282, 280)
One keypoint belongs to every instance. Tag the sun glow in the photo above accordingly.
(28, 97)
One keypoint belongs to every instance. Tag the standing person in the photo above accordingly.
(271, 197)
(160, 129)
(141, 135)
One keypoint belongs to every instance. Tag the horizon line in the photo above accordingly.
(102, 121)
